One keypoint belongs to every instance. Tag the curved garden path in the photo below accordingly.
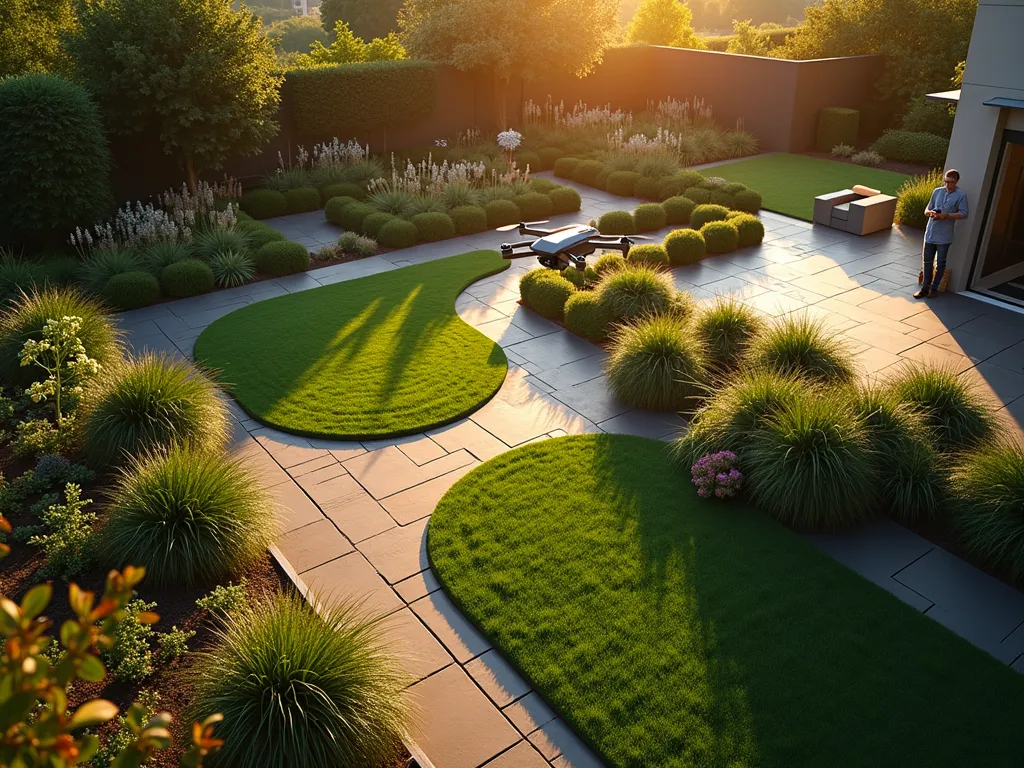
(357, 512)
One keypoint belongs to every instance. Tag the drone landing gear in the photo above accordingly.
(553, 262)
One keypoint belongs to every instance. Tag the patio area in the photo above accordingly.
(358, 511)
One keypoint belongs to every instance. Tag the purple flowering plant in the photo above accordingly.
(717, 475)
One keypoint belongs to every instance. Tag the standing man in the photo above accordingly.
(947, 205)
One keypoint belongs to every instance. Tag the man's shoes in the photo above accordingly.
(922, 294)
(932, 294)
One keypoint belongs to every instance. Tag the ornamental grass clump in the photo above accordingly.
(189, 516)
(219, 240)
(727, 328)
(716, 475)
(634, 292)
(301, 687)
(810, 464)
(988, 497)
(159, 255)
(97, 270)
(953, 411)
(656, 364)
(147, 402)
(800, 346)
(231, 268)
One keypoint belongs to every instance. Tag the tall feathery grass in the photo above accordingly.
(727, 328)
(913, 196)
(953, 410)
(798, 345)
(634, 292)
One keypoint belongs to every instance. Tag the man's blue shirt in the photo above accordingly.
(940, 231)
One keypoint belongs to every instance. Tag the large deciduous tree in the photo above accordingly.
(663, 22)
(30, 33)
(512, 37)
(368, 19)
(199, 73)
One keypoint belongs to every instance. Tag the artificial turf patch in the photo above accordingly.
(789, 183)
(674, 631)
(372, 357)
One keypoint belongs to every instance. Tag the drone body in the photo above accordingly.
(563, 247)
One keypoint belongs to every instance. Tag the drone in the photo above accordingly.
(563, 247)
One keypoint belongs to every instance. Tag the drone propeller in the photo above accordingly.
(510, 227)
(638, 237)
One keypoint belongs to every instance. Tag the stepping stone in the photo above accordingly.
(296, 509)
(417, 650)
(313, 545)
(352, 578)
(389, 471)
(420, 500)
(398, 553)
(529, 713)
(470, 436)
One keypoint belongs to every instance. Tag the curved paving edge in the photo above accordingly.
(356, 513)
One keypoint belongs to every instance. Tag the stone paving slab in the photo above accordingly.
(353, 576)
(522, 755)
(313, 545)
(497, 678)
(418, 651)
(398, 553)
(461, 638)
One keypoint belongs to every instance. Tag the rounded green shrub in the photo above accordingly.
(548, 157)
(575, 276)
(649, 217)
(810, 465)
(655, 364)
(727, 328)
(720, 236)
(282, 258)
(720, 197)
(685, 246)
(586, 172)
(301, 199)
(565, 200)
(732, 187)
(300, 686)
(616, 223)
(264, 203)
(688, 178)
(257, 234)
(373, 223)
(534, 206)
(352, 216)
(543, 185)
(398, 233)
(621, 182)
(26, 317)
(609, 262)
(189, 277)
(548, 294)
(101, 265)
(699, 195)
(749, 227)
(955, 413)
(54, 160)
(345, 189)
(913, 197)
(431, 227)
(602, 177)
(631, 293)
(913, 147)
(131, 290)
(650, 254)
(748, 200)
(670, 187)
(678, 210)
(527, 160)
(585, 316)
(800, 346)
(335, 207)
(564, 167)
(188, 517)
(241, 215)
(500, 213)
(646, 188)
(147, 402)
(988, 495)
(706, 212)
(469, 219)
(527, 281)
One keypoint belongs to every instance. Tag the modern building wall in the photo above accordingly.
(995, 67)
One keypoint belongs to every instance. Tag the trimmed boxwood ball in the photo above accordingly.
(646, 188)
(534, 206)
(398, 233)
(699, 195)
(649, 217)
(575, 276)
(527, 160)
(565, 200)
(264, 203)
(147, 402)
(622, 182)
(733, 187)
(653, 255)
(282, 258)
(616, 223)
(727, 328)
(548, 294)
(345, 189)
(527, 281)
(706, 212)
(131, 290)
(750, 228)
(655, 364)
(688, 178)
(189, 277)
(469, 219)
(685, 246)
(188, 516)
(718, 197)
(638, 290)
(543, 185)
(678, 210)
(609, 262)
(585, 316)
(353, 215)
(802, 347)
(257, 234)
(952, 409)
(586, 172)
(720, 236)
(433, 226)
(602, 178)
(564, 167)
(748, 200)
(501, 213)
(670, 187)
(302, 199)
(373, 223)
(548, 157)
(335, 207)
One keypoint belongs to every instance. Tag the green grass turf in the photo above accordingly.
(789, 183)
(674, 631)
(372, 357)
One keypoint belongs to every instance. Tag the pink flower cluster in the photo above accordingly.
(716, 475)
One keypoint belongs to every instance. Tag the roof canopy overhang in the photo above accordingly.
(945, 97)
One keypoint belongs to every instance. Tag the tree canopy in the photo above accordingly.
(369, 19)
(663, 22)
(346, 48)
(30, 33)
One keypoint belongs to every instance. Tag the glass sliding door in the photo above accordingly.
(1000, 266)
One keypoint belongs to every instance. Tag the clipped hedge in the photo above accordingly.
(549, 294)
(586, 172)
(585, 316)
(501, 213)
(373, 223)
(302, 199)
(433, 226)
(649, 217)
(685, 246)
(678, 210)
(534, 206)
(258, 234)
(335, 206)
(353, 216)
(646, 188)
(720, 236)
(282, 258)
(565, 167)
(622, 182)
(398, 233)
(188, 277)
(702, 214)
(548, 157)
(650, 254)
(264, 203)
(131, 290)
(616, 223)
(670, 187)
(565, 200)
(749, 227)
(913, 147)
(699, 195)
(528, 160)
(469, 219)
(345, 189)
(363, 97)
(748, 200)
(543, 185)
(836, 125)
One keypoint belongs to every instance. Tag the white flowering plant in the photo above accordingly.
(61, 354)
